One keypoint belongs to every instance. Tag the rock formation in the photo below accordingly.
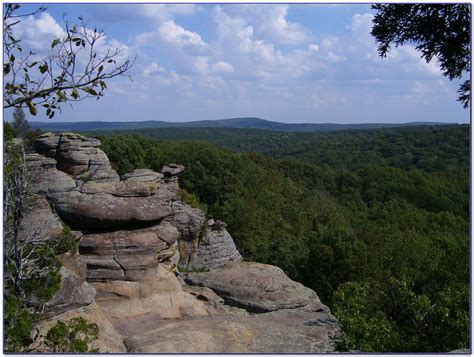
(134, 235)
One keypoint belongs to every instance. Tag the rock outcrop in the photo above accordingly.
(216, 248)
(134, 235)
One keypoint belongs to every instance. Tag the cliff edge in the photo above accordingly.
(152, 272)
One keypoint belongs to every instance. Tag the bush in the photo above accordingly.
(67, 242)
(75, 335)
(17, 325)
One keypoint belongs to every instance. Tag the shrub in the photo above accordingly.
(75, 335)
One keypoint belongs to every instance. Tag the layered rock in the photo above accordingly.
(255, 287)
(216, 248)
(77, 155)
(132, 235)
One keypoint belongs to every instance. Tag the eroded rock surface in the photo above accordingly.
(216, 248)
(132, 236)
(254, 286)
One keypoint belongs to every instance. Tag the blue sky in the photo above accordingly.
(290, 63)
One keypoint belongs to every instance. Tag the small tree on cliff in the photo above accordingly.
(59, 77)
(20, 125)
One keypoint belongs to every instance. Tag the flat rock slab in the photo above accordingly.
(104, 210)
(303, 330)
(255, 287)
(143, 175)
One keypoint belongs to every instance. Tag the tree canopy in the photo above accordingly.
(439, 31)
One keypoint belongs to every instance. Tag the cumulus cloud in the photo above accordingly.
(37, 32)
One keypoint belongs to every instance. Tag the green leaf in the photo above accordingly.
(89, 91)
(6, 69)
(102, 85)
(55, 42)
(31, 107)
(100, 69)
(43, 68)
(74, 93)
(12, 58)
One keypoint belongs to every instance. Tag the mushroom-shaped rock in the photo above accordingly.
(255, 287)
(143, 175)
(105, 210)
(172, 170)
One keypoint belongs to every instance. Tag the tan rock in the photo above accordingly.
(109, 339)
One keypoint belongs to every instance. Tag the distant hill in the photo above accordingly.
(237, 123)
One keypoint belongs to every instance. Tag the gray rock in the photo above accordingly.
(104, 210)
(143, 175)
(188, 221)
(216, 248)
(172, 170)
(255, 287)
(40, 221)
(45, 178)
(73, 293)
(120, 189)
(77, 156)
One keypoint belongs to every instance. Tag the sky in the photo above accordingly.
(314, 63)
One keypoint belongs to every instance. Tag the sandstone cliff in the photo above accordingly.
(134, 235)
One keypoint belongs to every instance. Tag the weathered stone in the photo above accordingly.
(109, 340)
(192, 336)
(188, 221)
(120, 189)
(46, 144)
(73, 293)
(143, 175)
(216, 248)
(77, 155)
(103, 210)
(40, 222)
(172, 170)
(45, 178)
(255, 287)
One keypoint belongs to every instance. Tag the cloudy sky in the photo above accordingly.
(289, 63)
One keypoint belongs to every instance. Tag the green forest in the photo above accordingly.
(375, 221)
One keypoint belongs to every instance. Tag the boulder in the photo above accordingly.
(216, 248)
(104, 210)
(40, 222)
(143, 175)
(255, 287)
(77, 156)
(172, 170)
(188, 221)
(120, 189)
(73, 292)
(45, 177)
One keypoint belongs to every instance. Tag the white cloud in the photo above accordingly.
(37, 32)
(176, 35)
(222, 67)
(153, 69)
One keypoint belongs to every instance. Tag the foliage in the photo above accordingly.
(8, 132)
(75, 335)
(66, 242)
(20, 125)
(440, 31)
(375, 221)
(189, 198)
(17, 325)
(31, 81)
(30, 264)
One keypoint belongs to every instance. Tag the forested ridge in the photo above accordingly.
(375, 221)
